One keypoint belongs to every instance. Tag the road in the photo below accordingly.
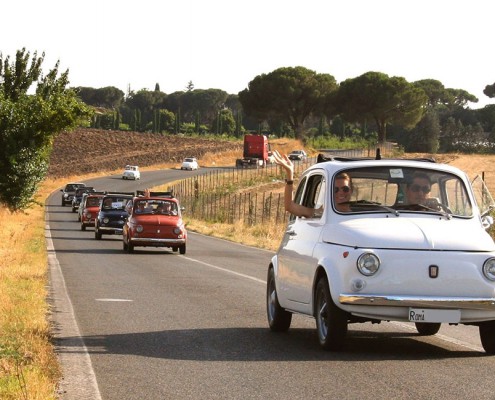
(159, 325)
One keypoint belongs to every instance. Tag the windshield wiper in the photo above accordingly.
(371, 204)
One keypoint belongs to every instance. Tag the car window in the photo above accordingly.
(396, 188)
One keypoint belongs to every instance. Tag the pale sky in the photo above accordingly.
(224, 44)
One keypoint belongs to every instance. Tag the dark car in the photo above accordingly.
(69, 191)
(155, 220)
(112, 214)
(76, 200)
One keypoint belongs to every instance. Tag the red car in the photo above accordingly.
(90, 209)
(154, 220)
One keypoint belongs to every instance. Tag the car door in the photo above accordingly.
(296, 264)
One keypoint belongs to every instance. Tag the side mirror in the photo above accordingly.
(487, 221)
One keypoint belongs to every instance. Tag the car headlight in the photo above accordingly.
(139, 228)
(177, 230)
(368, 264)
(489, 269)
(106, 220)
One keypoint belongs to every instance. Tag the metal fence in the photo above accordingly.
(254, 196)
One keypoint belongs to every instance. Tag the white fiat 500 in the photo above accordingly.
(411, 246)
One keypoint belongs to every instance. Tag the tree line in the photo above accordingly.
(422, 116)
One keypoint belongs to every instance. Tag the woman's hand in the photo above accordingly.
(285, 163)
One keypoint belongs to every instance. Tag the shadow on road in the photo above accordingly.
(259, 344)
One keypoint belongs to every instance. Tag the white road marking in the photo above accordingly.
(226, 270)
(113, 300)
(79, 380)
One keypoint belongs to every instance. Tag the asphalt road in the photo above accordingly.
(159, 325)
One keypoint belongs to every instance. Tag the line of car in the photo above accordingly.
(142, 218)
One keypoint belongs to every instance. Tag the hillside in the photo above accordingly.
(85, 151)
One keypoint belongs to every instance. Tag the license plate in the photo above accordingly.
(429, 315)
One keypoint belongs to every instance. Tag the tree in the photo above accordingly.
(384, 100)
(290, 94)
(28, 124)
(424, 137)
(490, 91)
(106, 97)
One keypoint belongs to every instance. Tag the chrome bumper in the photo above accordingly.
(110, 229)
(155, 240)
(468, 303)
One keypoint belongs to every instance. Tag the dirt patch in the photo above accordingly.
(85, 151)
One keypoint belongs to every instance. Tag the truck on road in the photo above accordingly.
(257, 152)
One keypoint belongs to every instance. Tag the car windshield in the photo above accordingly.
(189, 160)
(114, 203)
(92, 202)
(405, 189)
(155, 206)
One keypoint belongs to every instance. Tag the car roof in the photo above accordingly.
(335, 164)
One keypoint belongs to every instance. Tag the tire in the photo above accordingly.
(331, 321)
(279, 320)
(426, 329)
(97, 234)
(83, 227)
(124, 245)
(130, 248)
(487, 336)
(182, 249)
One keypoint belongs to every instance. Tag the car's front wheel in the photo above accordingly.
(427, 329)
(182, 249)
(487, 336)
(331, 321)
(97, 233)
(279, 320)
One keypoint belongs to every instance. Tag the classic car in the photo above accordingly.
(411, 246)
(189, 163)
(78, 195)
(112, 214)
(131, 172)
(68, 192)
(89, 208)
(155, 220)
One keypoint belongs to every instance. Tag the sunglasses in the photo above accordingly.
(345, 189)
(417, 188)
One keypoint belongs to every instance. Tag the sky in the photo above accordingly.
(224, 44)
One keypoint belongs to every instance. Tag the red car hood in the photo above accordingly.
(163, 220)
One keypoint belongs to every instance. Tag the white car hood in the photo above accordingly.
(429, 233)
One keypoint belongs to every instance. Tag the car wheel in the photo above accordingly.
(63, 203)
(331, 321)
(278, 319)
(182, 249)
(130, 247)
(83, 227)
(73, 209)
(426, 329)
(97, 234)
(487, 336)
